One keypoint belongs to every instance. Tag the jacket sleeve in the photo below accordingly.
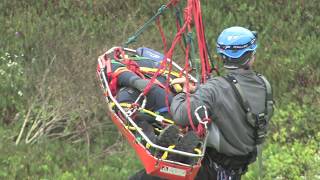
(204, 95)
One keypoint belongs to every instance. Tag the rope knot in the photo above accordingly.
(117, 53)
(201, 130)
(135, 105)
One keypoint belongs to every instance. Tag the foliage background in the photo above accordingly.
(48, 52)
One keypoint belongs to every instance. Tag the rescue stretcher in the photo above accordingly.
(146, 150)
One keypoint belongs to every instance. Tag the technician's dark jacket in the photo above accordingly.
(230, 134)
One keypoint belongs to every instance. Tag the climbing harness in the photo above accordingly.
(259, 122)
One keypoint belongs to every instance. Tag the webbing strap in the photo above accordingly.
(268, 86)
(154, 70)
(165, 154)
(269, 99)
(258, 121)
(114, 78)
(245, 104)
(241, 98)
(157, 116)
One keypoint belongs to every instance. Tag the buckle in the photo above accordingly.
(261, 121)
(261, 134)
(239, 171)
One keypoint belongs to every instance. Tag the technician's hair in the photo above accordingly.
(242, 62)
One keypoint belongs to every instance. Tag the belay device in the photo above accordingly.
(153, 156)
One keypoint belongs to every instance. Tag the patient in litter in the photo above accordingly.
(155, 121)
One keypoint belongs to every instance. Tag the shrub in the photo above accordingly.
(12, 80)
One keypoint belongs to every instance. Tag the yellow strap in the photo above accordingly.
(120, 70)
(165, 154)
(197, 150)
(158, 130)
(127, 105)
(147, 69)
(155, 115)
(131, 128)
(177, 87)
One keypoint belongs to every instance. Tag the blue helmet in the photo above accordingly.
(235, 41)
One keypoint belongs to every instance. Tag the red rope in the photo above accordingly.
(193, 8)
(188, 89)
(167, 56)
(205, 65)
(178, 28)
(201, 130)
(188, 18)
(163, 37)
(194, 5)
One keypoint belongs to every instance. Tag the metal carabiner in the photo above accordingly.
(205, 114)
(144, 102)
(134, 109)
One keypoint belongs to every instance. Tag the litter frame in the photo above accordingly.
(153, 165)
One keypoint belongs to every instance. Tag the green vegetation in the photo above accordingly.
(48, 52)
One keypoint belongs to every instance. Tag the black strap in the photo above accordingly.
(267, 86)
(241, 98)
(258, 121)
(230, 162)
(236, 87)
(269, 99)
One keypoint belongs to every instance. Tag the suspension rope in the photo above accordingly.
(205, 65)
(160, 11)
(192, 12)
(163, 37)
(179, 23)
(134, 37)
(192, 16)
